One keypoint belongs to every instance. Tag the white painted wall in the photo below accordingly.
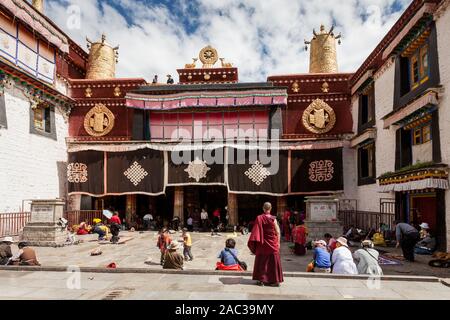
(368, 196)
(29, 162)
(443, 40)
(422, 152)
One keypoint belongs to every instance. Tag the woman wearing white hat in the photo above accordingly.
(342, 259)
(5, 250)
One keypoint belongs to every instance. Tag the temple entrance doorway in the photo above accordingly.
(208, 197)
(250, 206)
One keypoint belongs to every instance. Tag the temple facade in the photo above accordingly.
(374, 139)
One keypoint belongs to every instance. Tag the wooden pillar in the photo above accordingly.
(130, 214)
(233, 209)
(178, 206)
(281, 206)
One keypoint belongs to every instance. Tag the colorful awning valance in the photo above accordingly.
(207, 99)
(427, 178)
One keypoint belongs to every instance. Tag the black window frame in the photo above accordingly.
(403, 94)
(369, 179)
(366, 106)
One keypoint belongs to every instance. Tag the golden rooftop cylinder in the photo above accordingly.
(323, 57)
(102, 60)
(38, 5)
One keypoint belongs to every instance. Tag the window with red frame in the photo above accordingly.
(209, 125)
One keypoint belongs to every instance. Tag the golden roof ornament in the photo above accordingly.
(38, 5)
(102, 59)
(208, 56)
(323, 58)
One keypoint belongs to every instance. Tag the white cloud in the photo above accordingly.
(261, 38)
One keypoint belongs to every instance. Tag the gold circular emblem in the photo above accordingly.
(99, 121)
(208, 56)
(319, 117)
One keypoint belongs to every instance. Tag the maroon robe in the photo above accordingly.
(265, 244)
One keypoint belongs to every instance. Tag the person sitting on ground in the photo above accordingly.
(322, 258)
(331, 242)
(187, 241)
(407, 236)
(353, 234)
(424, 230)
(115, 227)
(163, 243)
(299, 237)
(99, 228)
(172, 259)
(425, 246)
(5, 251)
(367, 259)
(342, 259)
(26, 256)
(228, 257)
(82, 229)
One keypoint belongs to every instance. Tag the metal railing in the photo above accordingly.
(11, 224)
(78, 216)
(365, 220)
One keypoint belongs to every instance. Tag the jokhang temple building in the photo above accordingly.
(375, 139)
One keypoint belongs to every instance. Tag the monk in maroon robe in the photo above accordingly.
(264, 242)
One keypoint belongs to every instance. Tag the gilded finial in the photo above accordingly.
(323, 58)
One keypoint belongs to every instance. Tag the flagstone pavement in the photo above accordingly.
(134, 254)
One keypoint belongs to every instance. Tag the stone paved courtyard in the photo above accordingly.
(157, 286)
(135, 252)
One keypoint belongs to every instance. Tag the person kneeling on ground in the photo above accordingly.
(331, 242)
(367, 259)
(228, 257)
(342, 259)
(26, 256)
(172, 259)
(322, 259)
(99, 228)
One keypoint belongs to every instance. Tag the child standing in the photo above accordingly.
(163, 243)
(187, 240)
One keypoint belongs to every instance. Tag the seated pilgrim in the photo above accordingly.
(228, 257)
(173, 259)
(5, 250)
(367, 259)
(425, 246)
(83, 229)
(26, 256)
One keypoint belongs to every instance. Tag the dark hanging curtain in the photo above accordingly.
(140, 171)
(85, 173)
(179, 167)
(250, 171)
(316, 170)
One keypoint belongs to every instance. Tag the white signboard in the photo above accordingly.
(323, 211)
(42, 213)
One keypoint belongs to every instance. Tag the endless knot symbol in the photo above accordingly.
(257, 173)
(197, 169)
(321, 170)
(77, 172)
(135, 173)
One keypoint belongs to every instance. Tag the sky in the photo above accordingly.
(260, 37)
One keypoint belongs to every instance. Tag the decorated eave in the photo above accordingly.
(415, 111)
(427, 177)
(380, 54)
(194, 96)
(34, 87)
(40, 24)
